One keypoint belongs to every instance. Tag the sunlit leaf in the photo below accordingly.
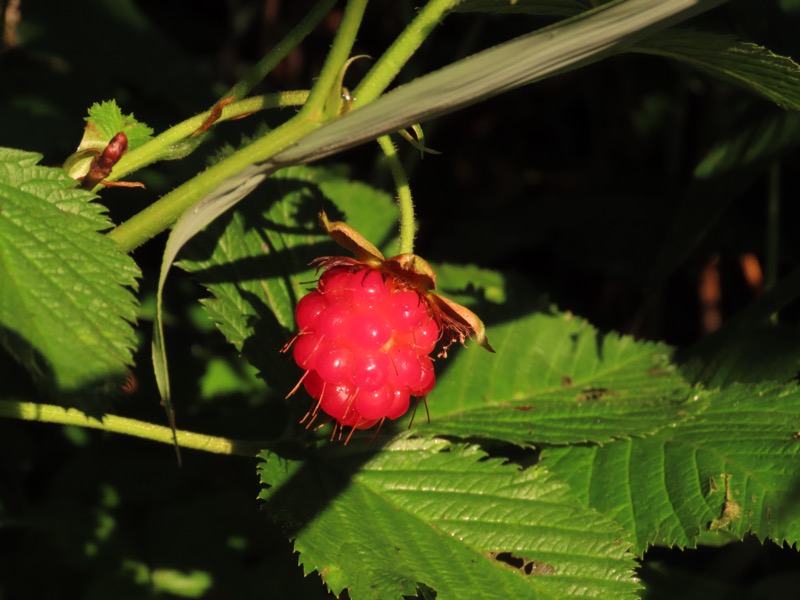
(555, 379)
(731, 467)
(426, 512)
(66, 305)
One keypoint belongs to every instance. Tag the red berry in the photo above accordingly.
(306, 349)
(400, 401)
(371, 370)
(371, 290)
(370, 330)
(404, 311)
(335, 365)
(406, 370)
(426, 336)
(364, 341)
(308, 309)
(374, 404)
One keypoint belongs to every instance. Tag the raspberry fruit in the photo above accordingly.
(367, 330)
(364, 342)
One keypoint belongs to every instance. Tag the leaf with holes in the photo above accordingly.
(555, 379)
(732, 467)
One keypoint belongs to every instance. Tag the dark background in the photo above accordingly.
(573, 184)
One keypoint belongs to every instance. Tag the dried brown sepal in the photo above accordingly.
(122, 184)
(413, 269)
(349, 239)
(457, 322)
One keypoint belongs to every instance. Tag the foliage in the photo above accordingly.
(606, 433)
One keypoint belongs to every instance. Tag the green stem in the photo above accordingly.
(163, 213)
(47, 413)
(404, 200)
(264, 66)
(174, 142)
(326, 85)
(396, 56)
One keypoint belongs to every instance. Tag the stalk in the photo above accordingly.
(175, 142)
(163, 213)
(396, 56)
(48, 413)
(404, 199)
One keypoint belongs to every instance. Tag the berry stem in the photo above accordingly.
(404, 199)
(48, 413)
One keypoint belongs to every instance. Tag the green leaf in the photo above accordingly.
(105, 120)
(466, 284)
(255, 260)
(742, 63)
(65, 306)
(564, 46)
(190, 222)
(732, 468)
(427, 512)
(555, 379)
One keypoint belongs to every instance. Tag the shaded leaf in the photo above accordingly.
(255, 261)
(468, 284)
(742, 63)
(426, 512)
(567, 45)
(65, 303)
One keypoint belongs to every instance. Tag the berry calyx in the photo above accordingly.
(367, 331)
